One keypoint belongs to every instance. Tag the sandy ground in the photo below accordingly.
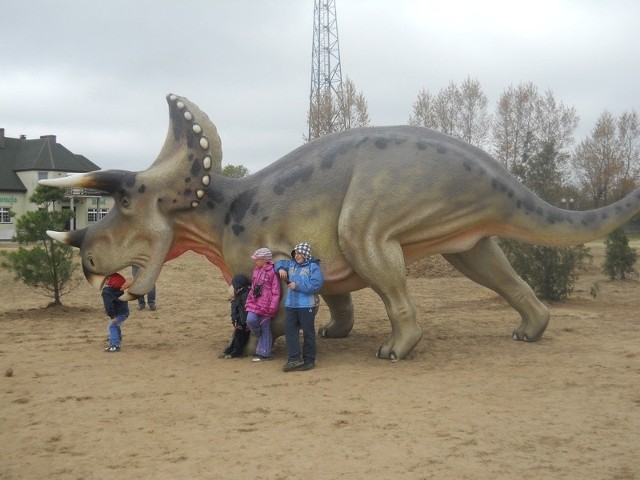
(471, 403)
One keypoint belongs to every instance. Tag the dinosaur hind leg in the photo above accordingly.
(487, 265)
(341, 323)
(381, 265)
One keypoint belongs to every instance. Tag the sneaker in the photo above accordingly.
(307, 366)
(112, 348)
(292, 365)
(260, 358)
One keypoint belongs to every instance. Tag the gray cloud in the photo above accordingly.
(96, 73)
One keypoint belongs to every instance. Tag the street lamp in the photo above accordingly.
(567, 203)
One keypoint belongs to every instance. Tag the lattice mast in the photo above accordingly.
(326, 72)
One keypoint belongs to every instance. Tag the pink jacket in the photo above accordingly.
(266, 305)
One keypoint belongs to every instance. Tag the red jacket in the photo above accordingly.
(266, 305)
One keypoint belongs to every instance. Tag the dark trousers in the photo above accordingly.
(297, 319)
(238, 342)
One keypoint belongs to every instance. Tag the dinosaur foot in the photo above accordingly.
(530, 333)
(392, 355)
(397, 348)
(333, 329)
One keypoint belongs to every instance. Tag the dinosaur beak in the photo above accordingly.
(94, 279)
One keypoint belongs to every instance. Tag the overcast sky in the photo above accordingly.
(96, 73)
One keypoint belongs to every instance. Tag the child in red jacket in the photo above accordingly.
(263, 301)
(117, 310)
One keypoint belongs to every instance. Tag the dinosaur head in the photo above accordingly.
(139, 229)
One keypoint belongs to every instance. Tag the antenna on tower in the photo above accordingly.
(326, 72)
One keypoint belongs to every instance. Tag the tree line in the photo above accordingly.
(525, 126)
(532, 134)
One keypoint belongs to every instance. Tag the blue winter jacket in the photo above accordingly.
(308, 279)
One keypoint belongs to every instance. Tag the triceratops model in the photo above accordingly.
(368, 200)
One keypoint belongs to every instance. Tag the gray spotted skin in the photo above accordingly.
(368, 200)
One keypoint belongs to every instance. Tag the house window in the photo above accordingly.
(4, 215)
(96, 214)
(43, 175)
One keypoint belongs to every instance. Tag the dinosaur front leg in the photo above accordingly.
(341, 322)
(405, 332)
(487, 265)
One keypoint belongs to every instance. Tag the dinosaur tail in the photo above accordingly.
(540, 223)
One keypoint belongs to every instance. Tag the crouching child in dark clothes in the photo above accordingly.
(241, 286)
(117, 310)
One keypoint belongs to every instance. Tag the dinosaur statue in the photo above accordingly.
(369, 200)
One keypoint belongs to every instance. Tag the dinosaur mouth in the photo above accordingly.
(94, 279)
(98, 282)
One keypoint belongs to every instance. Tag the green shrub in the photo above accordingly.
(551, 272)
(619, 256)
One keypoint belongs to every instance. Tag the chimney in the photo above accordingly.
(1, 137)
(51, 138)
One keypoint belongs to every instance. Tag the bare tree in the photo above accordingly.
(473, 119)
(514, 125)
(629, 136)
(457, 111)
(606, 163)
(329, 114)
(423, 111)
(354, 106)
(526, 123)
(446, 109)
(555, 124)
(321, 116)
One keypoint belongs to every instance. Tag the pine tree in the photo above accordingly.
(41, 262)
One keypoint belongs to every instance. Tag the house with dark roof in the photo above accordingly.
(23, 162)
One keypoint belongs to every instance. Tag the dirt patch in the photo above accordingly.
(470, 403)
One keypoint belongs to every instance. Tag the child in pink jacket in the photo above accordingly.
(263, 301)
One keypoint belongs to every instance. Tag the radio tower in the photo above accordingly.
(326, 72)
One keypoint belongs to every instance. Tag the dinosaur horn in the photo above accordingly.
(105, 180)
(73, 238)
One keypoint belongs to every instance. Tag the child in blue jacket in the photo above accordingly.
(304, 280)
